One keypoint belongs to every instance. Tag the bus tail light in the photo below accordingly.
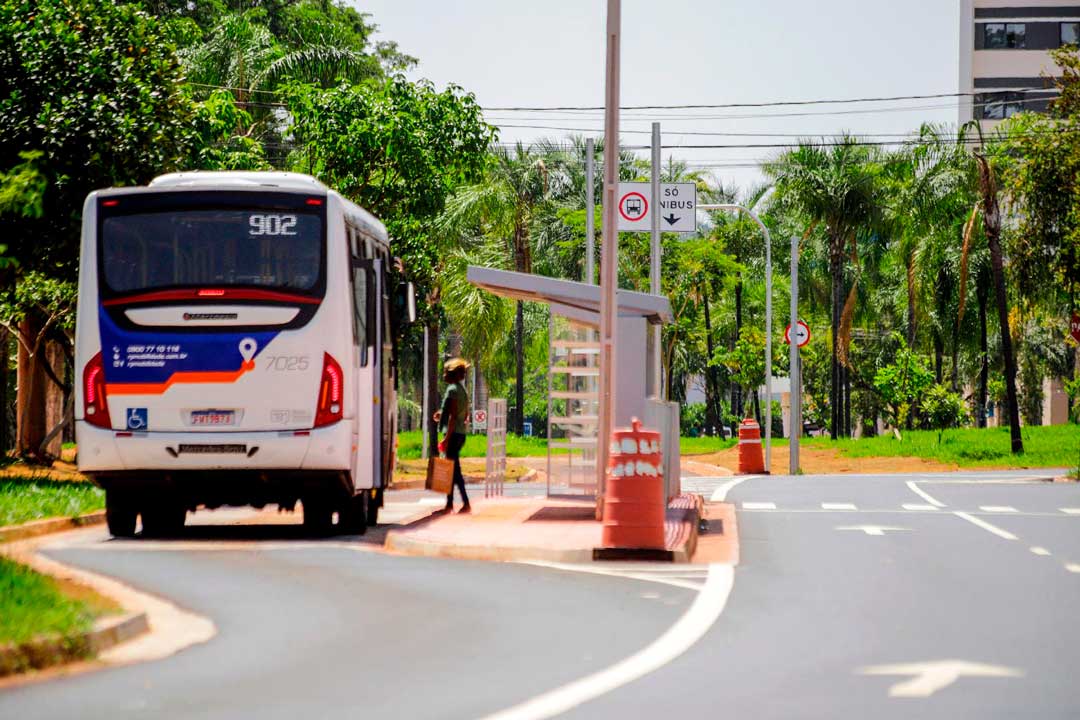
(95, 400)
(329, 408)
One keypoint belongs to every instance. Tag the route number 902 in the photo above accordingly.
(272, 225)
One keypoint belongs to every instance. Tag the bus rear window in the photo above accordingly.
(281, 250)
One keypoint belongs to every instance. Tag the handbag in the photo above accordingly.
(440, 475)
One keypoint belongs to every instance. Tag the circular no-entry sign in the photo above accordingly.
(633, 206)
(802, 334)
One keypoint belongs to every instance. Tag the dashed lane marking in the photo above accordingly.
(921, 506)
(924, 495)
(1070, 511)
(1073, 567)
(758, 506)
(838, 506)
(1039, 550)
(1004, 534)
(997, 508)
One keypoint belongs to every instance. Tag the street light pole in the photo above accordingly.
(768, 313)
(609, 251)
(654, 258)
(795, 374)
(590, 210)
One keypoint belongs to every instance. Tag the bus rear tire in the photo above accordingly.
(120, 514)
(163, 519)
(318, 516)
(354, 514)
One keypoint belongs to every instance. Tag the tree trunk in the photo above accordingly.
(939, 354)
(984, 359)
(736, 389)
(431, 382)
(30, 401)
(992, 228)
(911, 302)
(5, 427)
(712, 416)
(519, 355)
(836, 269)
(54, 399)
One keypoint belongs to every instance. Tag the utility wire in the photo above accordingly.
(778, 103)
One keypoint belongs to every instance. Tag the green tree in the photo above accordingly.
(501, 208)
(902, 383)
(398, 149)
(837, 186)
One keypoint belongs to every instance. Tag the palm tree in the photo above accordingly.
(502, 207)
(836, 185)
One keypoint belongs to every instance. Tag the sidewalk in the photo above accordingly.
(543, 529)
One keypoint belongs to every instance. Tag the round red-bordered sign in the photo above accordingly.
(480, 416)
(633, 206)
(802, 334)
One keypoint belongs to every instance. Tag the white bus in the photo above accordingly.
(235, 345)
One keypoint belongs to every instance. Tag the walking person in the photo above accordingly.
(453, 418)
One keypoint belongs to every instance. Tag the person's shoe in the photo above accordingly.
(465, 510)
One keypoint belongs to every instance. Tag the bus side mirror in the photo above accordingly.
(410, 302)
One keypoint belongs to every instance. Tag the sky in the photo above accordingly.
(512, 53)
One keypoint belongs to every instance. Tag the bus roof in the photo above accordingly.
(254, 180)
(216, 178)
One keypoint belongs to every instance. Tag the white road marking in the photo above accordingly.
(1073, 567)
(920, 506)
(985, 525)
(720, 494)
(697, 620)
(929, 677)
(629, 572)
(431, 501)
(758, 506)
(1070, 511)
(997, 508)
(837, 506)
(872, 529)
(923, 494)
(1039, 550)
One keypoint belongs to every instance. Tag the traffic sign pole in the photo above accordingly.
(654, 257)
(795, 374)
(590, 212)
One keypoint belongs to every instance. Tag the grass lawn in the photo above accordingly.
(24, 499)
(1050, 446)
(410, 444)
(32, 605)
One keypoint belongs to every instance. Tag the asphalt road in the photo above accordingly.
(838, 575)
(820, 596)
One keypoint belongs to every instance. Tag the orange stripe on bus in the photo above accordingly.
(189, 376)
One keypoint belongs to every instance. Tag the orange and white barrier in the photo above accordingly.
(634, 496)
(750, 458)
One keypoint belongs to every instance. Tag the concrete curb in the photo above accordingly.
(400, 542)
(34, 528)
(44, 652)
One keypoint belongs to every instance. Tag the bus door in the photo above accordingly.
(366, 369)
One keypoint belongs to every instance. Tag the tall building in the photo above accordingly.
(1005, 54)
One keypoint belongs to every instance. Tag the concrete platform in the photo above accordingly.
(545, 529)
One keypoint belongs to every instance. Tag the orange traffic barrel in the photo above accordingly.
(750, 458)
(634, 492)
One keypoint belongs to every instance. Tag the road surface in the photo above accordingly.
(943, 596)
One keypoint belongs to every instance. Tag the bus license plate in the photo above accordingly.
(213, 417)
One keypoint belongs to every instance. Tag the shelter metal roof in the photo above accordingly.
(577, 300)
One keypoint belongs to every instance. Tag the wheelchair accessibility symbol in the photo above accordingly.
(137, 418)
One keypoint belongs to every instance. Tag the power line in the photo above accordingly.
(778, 103)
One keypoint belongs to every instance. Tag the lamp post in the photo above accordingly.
(768, 310)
